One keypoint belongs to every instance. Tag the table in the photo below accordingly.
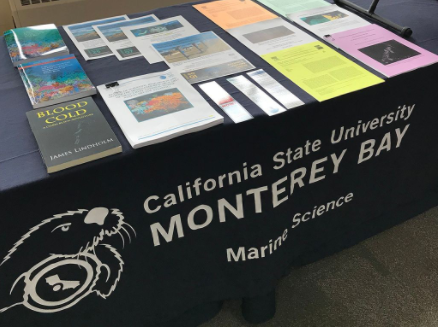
(182, 251)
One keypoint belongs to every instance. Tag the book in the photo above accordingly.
(382, 50)
(55, 80)
(156, 107)
(72, 133)
(26, 44)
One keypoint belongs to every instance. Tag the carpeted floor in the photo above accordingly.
(388, 280)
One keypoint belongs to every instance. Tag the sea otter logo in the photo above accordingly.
(64, 259)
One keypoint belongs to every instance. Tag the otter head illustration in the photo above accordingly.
(62, 240)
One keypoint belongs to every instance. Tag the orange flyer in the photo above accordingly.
(229, 14)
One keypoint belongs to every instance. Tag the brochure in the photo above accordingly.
(382, 50)
(328, 20)
(254, 93)
(117, 41)
(321, 71)
(272, 86)
(228, 104)
(202, 57)
(229, 14)
(143, 36)
(269, 36)
(286, 7)
(156, 107)
(86, 39)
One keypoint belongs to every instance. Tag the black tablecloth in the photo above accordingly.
(229, 241)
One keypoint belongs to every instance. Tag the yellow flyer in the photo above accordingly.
(229, 14)
(321, 71)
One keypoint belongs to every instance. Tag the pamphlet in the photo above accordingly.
(143, 36)
(269, 36)
(254, 93)
(117, 41)
(321, 71)
(156, 107)
(286, 7)
(202, 57)
(328, 20)
(272, 86)
(382, 50)
(228, 104)
(86, 39)
(229, 14)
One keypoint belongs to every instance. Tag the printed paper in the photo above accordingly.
(155, 107)
(254, 93)
(202, 57)
(116, 39)
(228, 104)
(286, 7)
(321, 71)
(382, 50)
(229, 14)
(328, 20)
(143, 36)
(272, 86)
(269, 36)
(88, 41)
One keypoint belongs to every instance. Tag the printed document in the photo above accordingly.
(202, 57)
(321, 71)
(286, 7)
(86, 39)
(143, 36)
(117, 41)
(156, 107)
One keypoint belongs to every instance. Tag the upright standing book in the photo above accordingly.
(55, 80)
(26, 44)
(72, 133)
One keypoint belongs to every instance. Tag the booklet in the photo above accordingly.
(143, 36)
(382, 50)
(55, 80)
(286, 7)
(86, 39)
(156, 107)
(202, 57)
(27, 44)
(72, 133)
(116, 39)
(269, 36)
(229, 14)
(321, 71)
(328, 20)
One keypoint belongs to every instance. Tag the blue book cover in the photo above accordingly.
(55, 80)
(26, 44)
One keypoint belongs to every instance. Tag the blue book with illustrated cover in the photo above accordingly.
(26, 44)
(55, 80)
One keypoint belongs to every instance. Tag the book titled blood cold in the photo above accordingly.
(55, 80)
(27, 44)
(72, 133)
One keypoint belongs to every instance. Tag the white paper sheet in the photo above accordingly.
(156, 107)
(88, 41)
(328, 20)
(202, 57)
(117, 41)
(143, 36)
